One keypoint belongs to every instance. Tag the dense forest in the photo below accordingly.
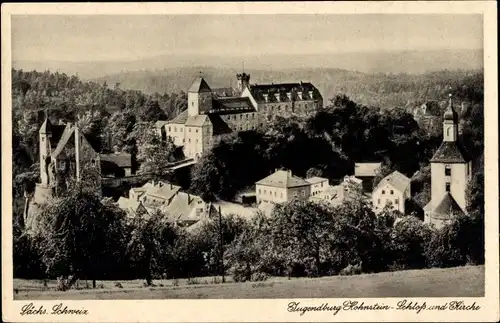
(378, 90)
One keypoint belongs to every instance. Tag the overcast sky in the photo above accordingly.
(89, 38)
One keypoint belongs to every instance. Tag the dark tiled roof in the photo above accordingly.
(231, 105)
(57, 131)
(180, 118)
(68, 132)
(258, 90)
(447, 208)
(199, 85)
(219, 126)
(450, 152)
(120, 159)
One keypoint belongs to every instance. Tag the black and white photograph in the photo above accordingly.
(247, 155)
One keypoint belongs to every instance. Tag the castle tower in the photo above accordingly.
(451, 169)
(243, 81)
(45, 134)
(199, 97)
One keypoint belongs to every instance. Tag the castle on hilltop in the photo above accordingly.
(213, 113)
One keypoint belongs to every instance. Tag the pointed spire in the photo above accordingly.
(450, 113)
(46, 125)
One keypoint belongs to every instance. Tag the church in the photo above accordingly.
(210, 115)
(451, 170)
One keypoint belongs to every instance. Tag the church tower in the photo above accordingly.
(450, 172)
(45, 134)
(199, 97)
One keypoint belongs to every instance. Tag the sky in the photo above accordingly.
(121, 38)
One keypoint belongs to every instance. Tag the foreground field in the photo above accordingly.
(452, 282)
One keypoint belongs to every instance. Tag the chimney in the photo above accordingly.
(310, 94)
(299, 94)
(266, 97)
(277, 96)
(170, 185)
(289, 95)
(189, 197)
(153, 182)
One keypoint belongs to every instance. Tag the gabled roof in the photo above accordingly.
(180, 118)
(397, 180)
(65, 137)
(183, 208)
(445, 209)
(450, 152)
(366, 169)
(284, 179)
(259, 90)
(199, 85)
(163, 191)
(316, 180)
(197, 121)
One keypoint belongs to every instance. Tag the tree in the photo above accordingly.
(409, 239)
(76, 236)
(153, 153)
(150, 244)
(151, 111)
(301, 229)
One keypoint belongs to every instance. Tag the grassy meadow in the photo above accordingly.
(465, 281)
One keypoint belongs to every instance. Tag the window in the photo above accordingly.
(306, 105)
(383, 191)
(196, 130)
(392, 192)
(295, 194)
(274, 193)
(447, 170)
(169, 128)
(93, 161)
(189, 129)
(189, 140)
(253, 115)
(259, 190)
(196, 140)
(265, 191)
(396, 201)
(448, 187)
(241, 117)
(378, 201)
(247, 116)
(175, 129)
(303, 193)
(321, 184)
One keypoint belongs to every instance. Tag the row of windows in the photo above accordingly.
(396, 201)
(235, 117)
(270, 193)
(181, 129)
(392, 192)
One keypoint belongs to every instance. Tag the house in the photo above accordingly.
(336, 195)
(318, 184)
(282, 186)
(366, 172)
(393, 190)
(178, 207)
(451, 170)
(116, 164)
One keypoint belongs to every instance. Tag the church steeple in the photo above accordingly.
(450, 123)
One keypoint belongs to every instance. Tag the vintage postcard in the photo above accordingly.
(258, 162)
